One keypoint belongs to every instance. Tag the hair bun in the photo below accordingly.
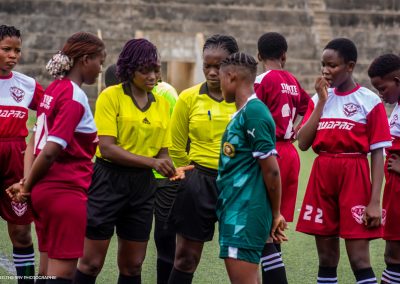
(59, 65)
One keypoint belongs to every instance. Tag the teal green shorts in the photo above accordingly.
(248, 255)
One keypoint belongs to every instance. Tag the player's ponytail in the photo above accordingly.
(78, 45)
(59, 65)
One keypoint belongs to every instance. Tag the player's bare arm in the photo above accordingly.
(19, 192)
(111, 151)
(29, 156)
(372, 215)
(272, 180)
(307, 133)
(16, 191)
(42, 164)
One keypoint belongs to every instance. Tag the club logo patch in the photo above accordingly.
(351, 109)
(228, 149)
(19, 208)
(17, 94)
(393, 120)
(358, 212)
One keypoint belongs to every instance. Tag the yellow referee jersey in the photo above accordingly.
(140, 131)
(203, 120)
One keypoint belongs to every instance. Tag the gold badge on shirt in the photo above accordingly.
(228, 149)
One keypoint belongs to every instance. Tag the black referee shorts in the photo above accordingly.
(193, 214)
(164, 198)
(121, 197)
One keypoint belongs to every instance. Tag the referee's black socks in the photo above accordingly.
(273, 269)
(164, 269)
(82, 278)
(180, 277)
(124, 279)
(365, 276)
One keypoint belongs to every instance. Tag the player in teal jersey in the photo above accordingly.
(249, 185)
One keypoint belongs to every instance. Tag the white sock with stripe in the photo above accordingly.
(24, 261)
(365, 276)
(273, 269)
(391, 275)
(327, 275)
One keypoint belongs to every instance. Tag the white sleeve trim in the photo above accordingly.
(384, 144)
(58, 140)
(261, 155)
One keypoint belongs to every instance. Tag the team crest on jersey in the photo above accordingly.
(228, 149)
(17, 94)
(358, 212)
(351, 109)
(19, 208)
(393, 120)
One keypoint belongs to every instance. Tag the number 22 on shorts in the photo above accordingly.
(309, 211)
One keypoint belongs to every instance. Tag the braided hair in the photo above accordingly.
(225, 42)
(137, 54)
(77, 45)
(9, 31)
(272, 46)
(384, 65)
(243, 60)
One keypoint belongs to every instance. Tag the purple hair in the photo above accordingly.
(137, 54)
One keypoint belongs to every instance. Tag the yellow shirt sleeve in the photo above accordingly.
(106, 113)
(180, 132)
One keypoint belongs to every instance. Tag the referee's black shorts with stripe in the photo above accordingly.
(193, 214)
(121, 197)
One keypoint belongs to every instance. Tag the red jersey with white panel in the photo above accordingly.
(64, 117)
(391, 195)
(351, 122)
(18, 92)
(394, 124)
(285, 98)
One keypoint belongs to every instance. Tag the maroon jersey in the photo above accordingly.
(64, 117)
(394, 123)
(18, 92)
(285, 98)
(351, 122)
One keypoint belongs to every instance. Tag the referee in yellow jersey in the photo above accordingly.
(201, 115)
(134, 136)
(164, 235)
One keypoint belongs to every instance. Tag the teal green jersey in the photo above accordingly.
(243, 207)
